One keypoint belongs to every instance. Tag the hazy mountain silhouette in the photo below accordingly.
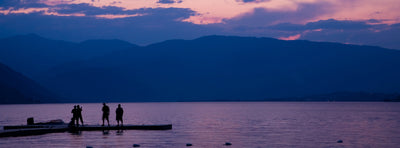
(16, 88)
(32, 55)
(228, 68)
(344, 96)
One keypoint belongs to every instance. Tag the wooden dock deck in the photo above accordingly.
(29, 130)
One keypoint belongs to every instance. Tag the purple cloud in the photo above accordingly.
(21, 4)
(252, 1)
(354, 32)
(169, 1)
(149, 25)
(139, 30)
(378, 35)
(325, 24)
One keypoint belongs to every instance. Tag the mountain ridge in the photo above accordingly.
(32, 54)
(16, 88)
(222, 68)
(218, 67)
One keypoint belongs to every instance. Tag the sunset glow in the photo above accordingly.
(44, 11)
(148, 21)
(112, 16)
(294, 37)
(216, 11)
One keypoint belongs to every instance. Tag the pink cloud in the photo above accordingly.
(293, 37)
(297, 36)
(203, 20)
(45, 11)
(11, 10)
(216, 11)
(114, 16)
(60, 14)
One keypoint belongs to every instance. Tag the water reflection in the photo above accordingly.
(106, 132)
(244, 124)
(120, 132)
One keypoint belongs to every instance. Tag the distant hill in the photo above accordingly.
(344, 96)
(33, 55)
(16, 89)
(228, 68)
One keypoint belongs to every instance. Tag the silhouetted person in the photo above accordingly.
(75, 116)
(119, 113)
(79, 114)
(106, 113)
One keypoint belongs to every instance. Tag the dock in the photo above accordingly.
(30, 130)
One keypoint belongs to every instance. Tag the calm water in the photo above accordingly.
(244, 124)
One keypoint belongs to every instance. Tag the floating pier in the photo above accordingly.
(29, 130)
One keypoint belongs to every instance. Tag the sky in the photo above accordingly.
(142, 22)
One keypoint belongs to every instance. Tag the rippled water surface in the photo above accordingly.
(210, 124)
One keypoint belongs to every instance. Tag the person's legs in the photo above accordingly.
(73, 121)
(77, 121)
(108, 122)
(81, 119)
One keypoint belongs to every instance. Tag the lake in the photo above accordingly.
(211, 124)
